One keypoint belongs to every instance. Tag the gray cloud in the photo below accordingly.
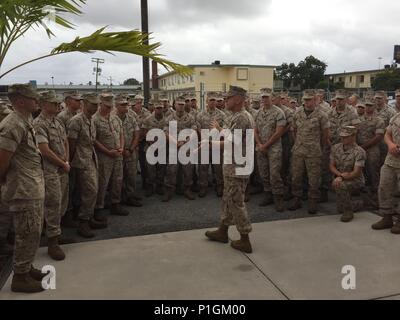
(348, 35)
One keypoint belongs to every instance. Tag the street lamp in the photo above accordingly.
(52, 82)
(380, 59)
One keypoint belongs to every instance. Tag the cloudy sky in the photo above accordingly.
(347, 35)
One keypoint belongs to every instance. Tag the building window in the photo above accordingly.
(340, 79)
(202, 73)
(362, 79)
(372, 79)
(191, 79)
(242, 74)
(351, 79)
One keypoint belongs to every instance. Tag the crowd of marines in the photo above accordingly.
(64, 160)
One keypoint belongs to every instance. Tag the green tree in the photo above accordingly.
(131, 82)
(19, 16)
(388, 80)
(307, 73)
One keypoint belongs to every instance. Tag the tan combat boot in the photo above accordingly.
(296, 204)
(188, 194)
(23, 282)
(268, 200)
(84, 229)
(312, 206)
(54, 250)
(36, 274)
(203, 192)
(219, 235)
(243, 244)
(396, 228)
(385, 223)
(279, 203)
(347, 216)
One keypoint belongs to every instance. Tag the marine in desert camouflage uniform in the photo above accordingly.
(22, 185)
(270, 125)
(234, 210)
(310, 128)
(347, 161)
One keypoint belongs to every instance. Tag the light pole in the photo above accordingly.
(52, 82)
(146, 61)
(96, 69)
(380, 59)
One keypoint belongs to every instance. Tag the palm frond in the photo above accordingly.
(127, 42)
(18, 16)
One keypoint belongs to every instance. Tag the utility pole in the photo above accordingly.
(96, 69)
(52, 82)
(146, 62)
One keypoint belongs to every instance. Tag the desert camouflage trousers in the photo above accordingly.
(216, 173)
(129, 176)
(373, 167)
(388, 187)
(344, 192)
(110, 173)
(88, 184)
(172, 172)
(155, 172)
(311, 166)
(234, 210)
(55, 202)
(28, 221)
(6, 221)
(269, 165)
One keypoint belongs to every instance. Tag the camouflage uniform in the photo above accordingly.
(6, 218)
(270, 162)
(287, 145)
(156, 172)
(204, 120)
(234, 210)
(307, 152)
(110, 170)
(140, 117)
(23, 191)
(325, 107)
(346, 158)
(65, 116)
(83, 131)
(186, 121)
(130, 127)
(390, 173)
(369, 127)
(52, 132)
(338, 120)
(385, 114)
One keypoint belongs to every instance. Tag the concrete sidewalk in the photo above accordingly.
(292, 259)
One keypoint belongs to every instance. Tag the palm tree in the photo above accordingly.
(19, 16)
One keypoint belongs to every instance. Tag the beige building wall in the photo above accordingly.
(219, 78)
(356, 80)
